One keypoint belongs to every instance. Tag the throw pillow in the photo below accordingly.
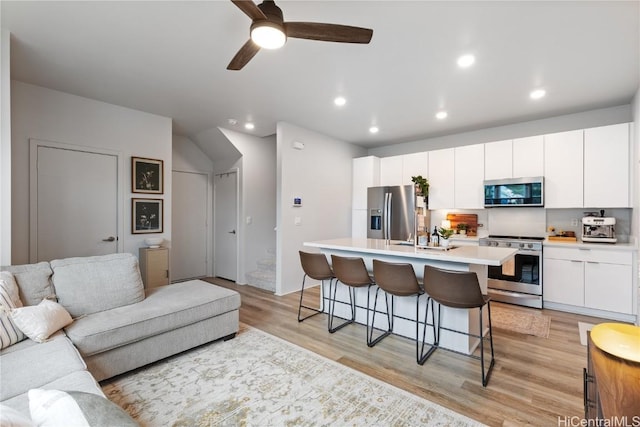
(40, 321)
(9, 300)
(9, 417)
(75, 408)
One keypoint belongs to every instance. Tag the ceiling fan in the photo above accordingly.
(269, 31)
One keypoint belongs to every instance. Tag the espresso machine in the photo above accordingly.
(598, 228)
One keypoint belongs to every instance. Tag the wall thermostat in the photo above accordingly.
(297, 202)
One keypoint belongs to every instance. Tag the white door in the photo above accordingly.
(74, 196)
(226, 225)
(189, 225)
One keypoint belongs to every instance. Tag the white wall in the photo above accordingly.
(5, 148)
(321, 175)
(592, 118)
(49, 115)
(257, 178)
(635, 184)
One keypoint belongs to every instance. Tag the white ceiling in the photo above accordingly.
(170, 58)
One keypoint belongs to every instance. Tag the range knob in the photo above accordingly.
(508, 244)
(522, 245)
(495, 243)
(530, 245)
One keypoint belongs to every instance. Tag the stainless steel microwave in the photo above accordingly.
(514, 192)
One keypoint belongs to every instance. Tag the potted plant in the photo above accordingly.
(445, 233)
(422, 185)
(462, 228)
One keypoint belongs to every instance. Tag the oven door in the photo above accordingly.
(519, 274)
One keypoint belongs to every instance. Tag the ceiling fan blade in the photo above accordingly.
(244, 55)
(328, 32)
(250, 9)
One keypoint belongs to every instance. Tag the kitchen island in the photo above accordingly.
(462, 258)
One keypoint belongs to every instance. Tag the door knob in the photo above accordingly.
(232, 232)
(109, 239)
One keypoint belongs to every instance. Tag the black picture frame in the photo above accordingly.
(147, 175)
(147, 216)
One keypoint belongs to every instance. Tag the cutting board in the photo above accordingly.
(470, 219)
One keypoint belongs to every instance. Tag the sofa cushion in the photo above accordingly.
(77, 381)
(165, 308)
(10, 333)
(31, 366)
(34, 281)
(75, 408)
(92, 284)
(41, 321)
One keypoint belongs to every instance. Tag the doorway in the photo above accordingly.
(225, 199)
(74, 197)
(189, 225)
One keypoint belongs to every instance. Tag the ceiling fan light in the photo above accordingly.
(268, 35)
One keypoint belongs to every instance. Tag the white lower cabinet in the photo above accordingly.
(359, 223)
(608, 287)
(596, 279)
(563, 281)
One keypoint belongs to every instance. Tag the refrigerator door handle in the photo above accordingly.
(387, 209)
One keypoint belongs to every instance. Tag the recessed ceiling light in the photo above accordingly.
(538, 93)
(232, 122)
(249, 126)
(340, 101)
(441, 115)
(466, 61)
(374, 129)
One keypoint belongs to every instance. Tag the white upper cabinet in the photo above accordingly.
(469, 174)
(606, 166)
(413, 165)
(528, 157)
(441, 178)
(498, 160)
(518, 158)
(563, 170)
(391, 170)
(366, 173)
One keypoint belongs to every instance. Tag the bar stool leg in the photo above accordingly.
(315, 310)
(485, 377)
(370, 341)
(436, 331)
(332, 308)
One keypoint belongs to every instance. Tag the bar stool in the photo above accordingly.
(353, 273)
(398, 280)
(317, 267)
(459, 289)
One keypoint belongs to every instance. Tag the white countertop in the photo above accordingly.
(483, 255)
(591, 245)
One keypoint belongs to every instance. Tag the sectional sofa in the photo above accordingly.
(117, 325)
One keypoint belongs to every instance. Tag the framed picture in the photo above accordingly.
(146, 216)
(147, 175)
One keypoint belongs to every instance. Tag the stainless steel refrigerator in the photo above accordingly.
(391, 212)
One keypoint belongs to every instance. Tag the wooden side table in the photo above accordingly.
(154, 266)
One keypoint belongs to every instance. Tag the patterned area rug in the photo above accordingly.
(257, 379)
(518, 320)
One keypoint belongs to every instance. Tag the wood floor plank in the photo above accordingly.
(535, 380)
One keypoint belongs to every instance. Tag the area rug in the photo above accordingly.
(517, 320)
(257, 379)
(583, 327)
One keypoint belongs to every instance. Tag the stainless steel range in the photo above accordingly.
(519, 280)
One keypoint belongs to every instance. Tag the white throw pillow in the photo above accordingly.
(10, 333)
(40, 321)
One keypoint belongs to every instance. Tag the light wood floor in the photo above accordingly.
(535, 380)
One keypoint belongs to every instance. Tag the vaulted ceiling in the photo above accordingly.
(170, 58)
